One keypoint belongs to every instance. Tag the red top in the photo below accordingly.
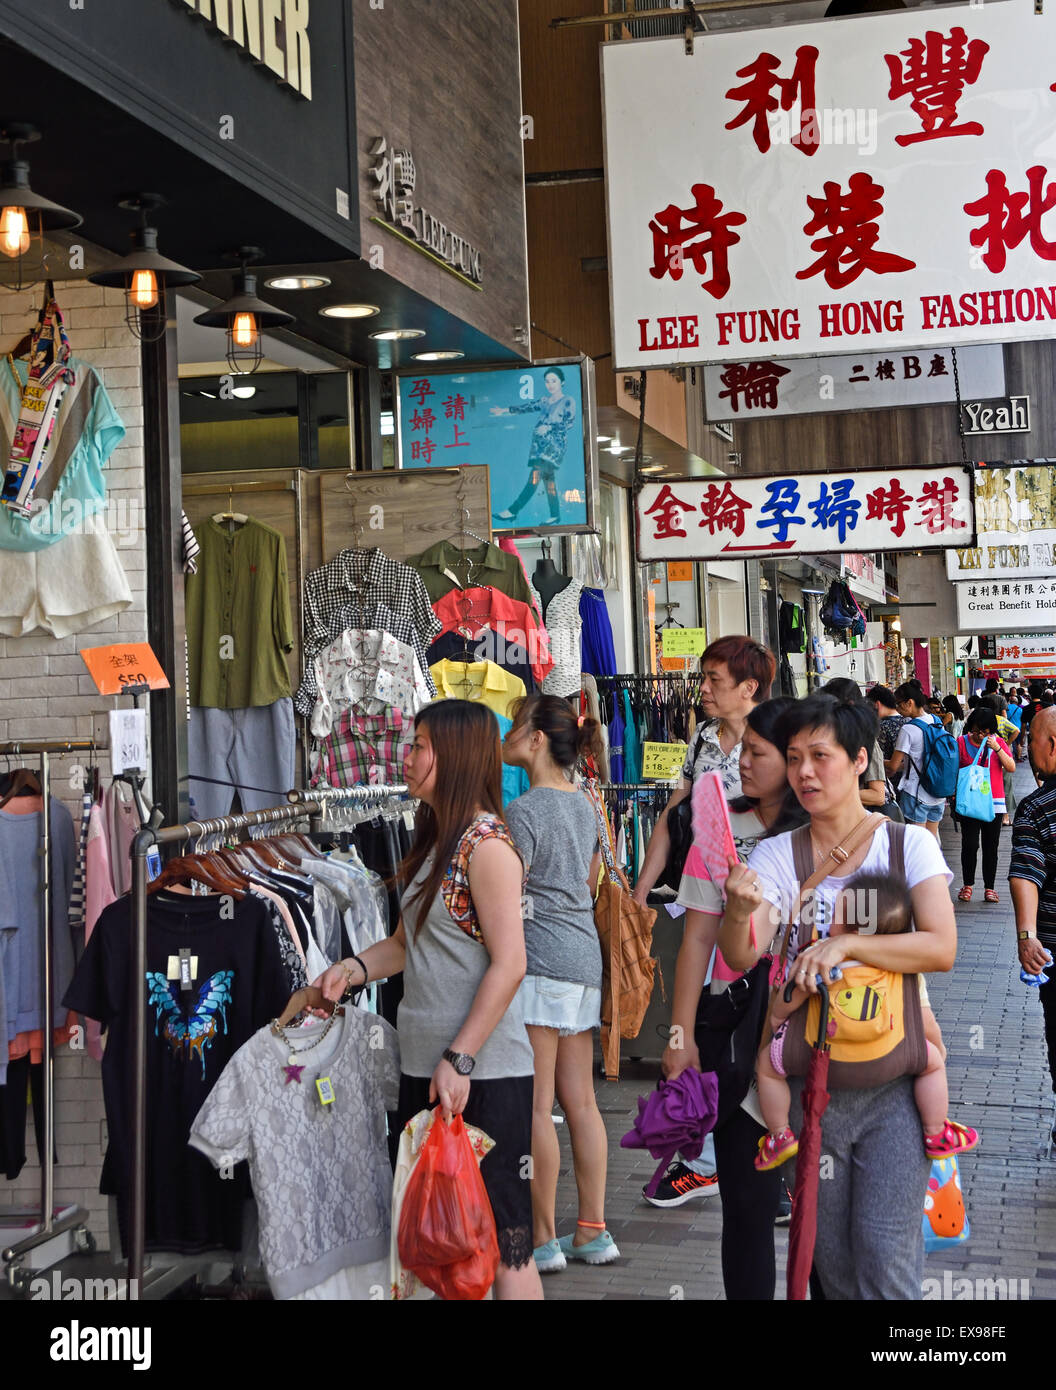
(997, 772)
(471, 612)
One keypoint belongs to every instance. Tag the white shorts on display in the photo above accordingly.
(65, 588)
(560, 1004)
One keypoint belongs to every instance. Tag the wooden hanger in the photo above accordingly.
(24, 781)
(310, 998)
(238, 518)
(193, 868)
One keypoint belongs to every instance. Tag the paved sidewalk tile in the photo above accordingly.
(998, 1081)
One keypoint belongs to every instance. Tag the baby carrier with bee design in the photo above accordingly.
(876, 1029)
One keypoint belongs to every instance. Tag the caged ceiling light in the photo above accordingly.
(25, 216)
(144, 274)
(244, 317)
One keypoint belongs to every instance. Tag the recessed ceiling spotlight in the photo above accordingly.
(350, 311)
(441, 355)
(392, 335)
(297, 282)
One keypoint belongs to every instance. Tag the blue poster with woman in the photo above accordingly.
(526, 424)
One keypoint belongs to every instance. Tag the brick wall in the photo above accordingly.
(46, 693)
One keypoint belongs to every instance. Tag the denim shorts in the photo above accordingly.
(917, 811)
(560, 1004)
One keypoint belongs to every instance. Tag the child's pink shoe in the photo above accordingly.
(954, 1139)
(775, 1149)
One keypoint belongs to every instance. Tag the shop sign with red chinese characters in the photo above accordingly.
(881, 182)
(866, 381)
(809, 514)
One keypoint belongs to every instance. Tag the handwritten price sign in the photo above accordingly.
(662, 762)
(683, 641)
(125, 668)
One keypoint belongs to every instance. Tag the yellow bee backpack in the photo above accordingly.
(876, 1028)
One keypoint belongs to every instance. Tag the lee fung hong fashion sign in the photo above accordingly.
(813, 514)
(879, 182)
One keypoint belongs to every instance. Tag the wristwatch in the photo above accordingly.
(462, 1062)
(1027, 935)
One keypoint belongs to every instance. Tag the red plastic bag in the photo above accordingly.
(447, 1230)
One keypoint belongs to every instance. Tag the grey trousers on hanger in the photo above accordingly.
(250, 748)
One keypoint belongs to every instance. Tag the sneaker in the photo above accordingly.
(505, 516)
(549, 1258)
(681, 1184)
(600, 1251)
(954, 1139)
(784, 1208)
(775, 1149)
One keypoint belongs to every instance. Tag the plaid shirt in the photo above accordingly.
(336, 611)
(1034, 855)
(364, 749)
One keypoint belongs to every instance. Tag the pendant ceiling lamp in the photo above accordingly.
(144, 274)
(25, 217)
(244, 317)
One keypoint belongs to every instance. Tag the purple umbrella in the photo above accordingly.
(675, 1118)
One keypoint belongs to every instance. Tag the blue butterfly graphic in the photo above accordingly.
(188, 1036)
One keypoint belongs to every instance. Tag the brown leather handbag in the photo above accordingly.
(625, 930)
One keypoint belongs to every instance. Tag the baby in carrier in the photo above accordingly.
(880, 904)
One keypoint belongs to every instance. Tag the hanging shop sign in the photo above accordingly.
(866, 381)
(534, 427)
(683, 641)
(884, 182)
(271, 32)
(1009, 416)
(1008, 605)
(1024, 651)
(808, 514)
(395, 175)
(662, 762)
(1015, 514)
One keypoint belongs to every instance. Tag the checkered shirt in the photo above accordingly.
(364, 749)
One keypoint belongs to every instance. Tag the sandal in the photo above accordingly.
(965, 895)
(954, 1139)
(990, 896)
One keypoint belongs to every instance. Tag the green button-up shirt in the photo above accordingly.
(238, 617)
(491, 566)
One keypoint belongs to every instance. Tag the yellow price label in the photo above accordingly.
(683, 641)
(662, 761)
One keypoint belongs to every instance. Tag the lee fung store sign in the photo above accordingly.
(876, 182)
(817, 513)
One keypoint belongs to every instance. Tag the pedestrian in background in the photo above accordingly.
(980, 728)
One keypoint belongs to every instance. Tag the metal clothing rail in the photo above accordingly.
(299, 805)
(77, 1217)
(634, 787)
(626, 677)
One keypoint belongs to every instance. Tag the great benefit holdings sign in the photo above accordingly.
(873, 183)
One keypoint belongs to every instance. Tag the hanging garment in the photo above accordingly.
(476, 613)
(515, 780)
(368, 669)
(482, 680)
(189, 547)
(320, 1172)
(77, 891)
(99, 893)
(73, 489)
(365, 576)
(364, 750)
(252, 750)
(565, 627)
(368, 617)
(239, 626)
(599, 652)
(512, 657)
(238, 985)
(67, 588)
(50, 374)
(121, 822)
(445, 566)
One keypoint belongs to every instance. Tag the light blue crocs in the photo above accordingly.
(549, 1258)
(600, 1251)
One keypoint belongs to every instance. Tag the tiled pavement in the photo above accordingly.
(998, 1082)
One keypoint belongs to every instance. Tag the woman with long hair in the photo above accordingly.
(460, 946)
(555, 828)
(869, 1239)
(981, 727)
(750, 1200)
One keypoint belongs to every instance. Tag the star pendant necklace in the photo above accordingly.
(293, 1069)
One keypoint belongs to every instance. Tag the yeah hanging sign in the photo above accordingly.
(876, 182)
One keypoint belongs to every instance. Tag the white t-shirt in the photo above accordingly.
(773, 861)
(911, 742)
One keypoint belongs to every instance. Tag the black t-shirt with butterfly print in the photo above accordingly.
(238, 983)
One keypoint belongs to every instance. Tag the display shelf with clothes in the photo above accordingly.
(239, 631)
(662, 708)
(38, 851)
(212, 975)
(633, 809)
(59, 572)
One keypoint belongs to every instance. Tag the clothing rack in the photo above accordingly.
(299, 806)
(628, 677)
(76, 1218)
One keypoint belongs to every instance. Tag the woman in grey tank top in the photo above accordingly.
(460, 946)
(555, 830)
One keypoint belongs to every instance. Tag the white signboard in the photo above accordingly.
(877, 182)
(1005, 606)
(1015, 512)
(868, 381)
(1024, 650)
(805, 514)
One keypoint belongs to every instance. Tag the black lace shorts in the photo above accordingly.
(503, 1110)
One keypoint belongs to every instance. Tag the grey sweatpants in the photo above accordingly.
(250, 748)
(870, 1242)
